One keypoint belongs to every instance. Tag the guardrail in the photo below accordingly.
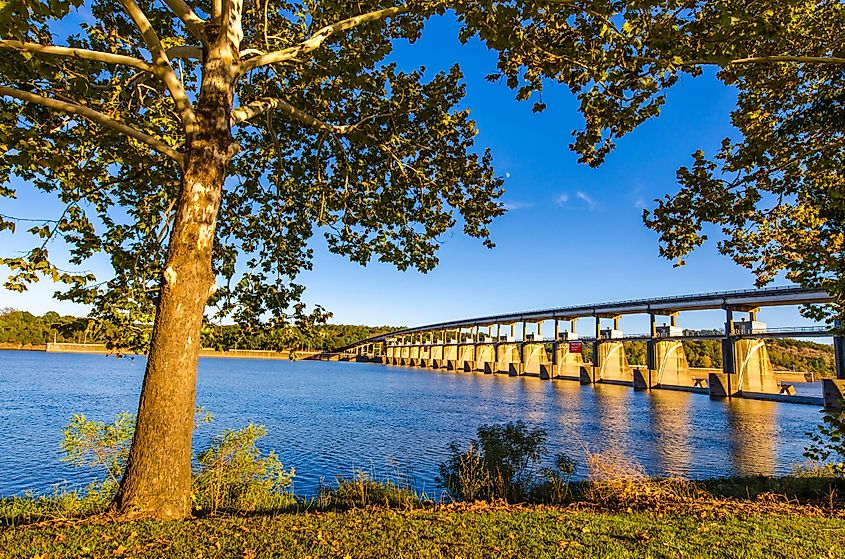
(791, 330)
(687, 335)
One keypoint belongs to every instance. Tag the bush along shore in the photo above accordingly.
(496, 501)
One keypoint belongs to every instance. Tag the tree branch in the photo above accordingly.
(318, 38)
(85, 54)
(193, 22)
(94, 116)
(185, 52)
(265, 104)
(162, 67)
(259, 106)
(786, 58)
(231, 30)
(761, 60)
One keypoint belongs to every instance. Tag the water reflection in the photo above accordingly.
(752, 432)
(325, 419)
(669, 417)
(612, 412)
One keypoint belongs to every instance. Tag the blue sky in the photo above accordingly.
(572, 234)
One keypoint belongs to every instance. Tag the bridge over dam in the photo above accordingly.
(514, 344)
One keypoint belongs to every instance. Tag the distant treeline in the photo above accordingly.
(24, 328)
(320, 336)
(20, 327)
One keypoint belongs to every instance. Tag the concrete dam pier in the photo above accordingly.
(502, 344)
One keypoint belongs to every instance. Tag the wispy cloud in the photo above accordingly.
(562, 199)
(639, 203)
(515, 205)
(584, 197)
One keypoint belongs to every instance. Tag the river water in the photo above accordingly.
(327, 418)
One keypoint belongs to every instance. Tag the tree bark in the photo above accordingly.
(157, 481)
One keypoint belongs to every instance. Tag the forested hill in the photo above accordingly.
(23, 328)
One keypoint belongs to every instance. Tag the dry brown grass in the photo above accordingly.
(617, 482)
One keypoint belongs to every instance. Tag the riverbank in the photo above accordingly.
(466, 531)
(101, 349)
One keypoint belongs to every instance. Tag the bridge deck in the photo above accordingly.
(742, 300)
(790, 332)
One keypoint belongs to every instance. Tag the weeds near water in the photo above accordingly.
(615, 481)
(556, 488)
(61, 504)
(362, 490)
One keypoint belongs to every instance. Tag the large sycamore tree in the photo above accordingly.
(199, 145)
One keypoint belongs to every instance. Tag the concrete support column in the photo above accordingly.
(450, 353)
(596, 360)
(833, 391)
(485, 352)
(523, 356)
(650, 357)
(728, 356)
(722, 385)
(839, 355)
(534, 355)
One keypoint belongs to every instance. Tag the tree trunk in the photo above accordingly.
(157, 481)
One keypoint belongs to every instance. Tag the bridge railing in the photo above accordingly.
(792, 330)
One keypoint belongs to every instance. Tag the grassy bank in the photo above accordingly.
(744, 518)
(455, 531)
(245, 509)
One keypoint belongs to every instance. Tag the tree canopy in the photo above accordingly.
(382, 158)
(384, 181)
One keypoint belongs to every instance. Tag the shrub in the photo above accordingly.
(98, 445)
(827, 445)
(500, 464)
(232, 474)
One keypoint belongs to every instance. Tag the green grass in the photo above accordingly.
(467, 533)
(745, 518)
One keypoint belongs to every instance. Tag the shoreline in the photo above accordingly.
(100, 349)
